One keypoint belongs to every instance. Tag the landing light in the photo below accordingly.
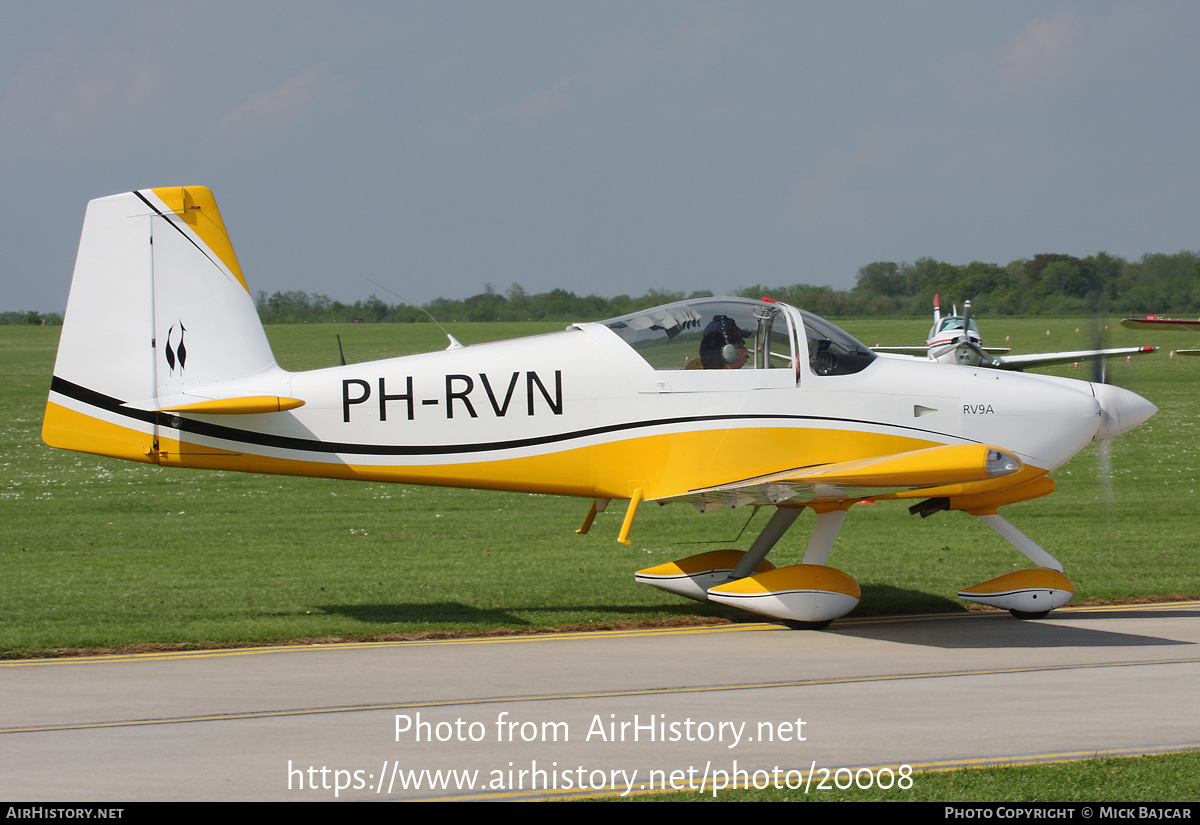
(1001, 463)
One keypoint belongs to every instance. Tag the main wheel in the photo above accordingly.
(1021, 614)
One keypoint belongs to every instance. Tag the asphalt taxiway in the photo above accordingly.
(631, 711)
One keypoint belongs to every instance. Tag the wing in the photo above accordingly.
(923, 351)
(862, 478)
(902, 350)
(1159, 323)
(1041, 359)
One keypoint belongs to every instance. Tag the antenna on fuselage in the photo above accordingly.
(338, 335)
(454, 343)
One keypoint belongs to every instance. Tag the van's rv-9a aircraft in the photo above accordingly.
(718, 402)
(955, 339)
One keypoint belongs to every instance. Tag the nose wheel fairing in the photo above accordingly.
(1027, 594)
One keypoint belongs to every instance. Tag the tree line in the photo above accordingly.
(1046, 284)
(29, 318)
(490, 305)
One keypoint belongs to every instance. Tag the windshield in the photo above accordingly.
(832, 350)
(955, 322)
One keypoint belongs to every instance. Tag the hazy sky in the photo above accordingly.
(603, 147)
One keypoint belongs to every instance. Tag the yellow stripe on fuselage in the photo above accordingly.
(68, 429)
(664, 465)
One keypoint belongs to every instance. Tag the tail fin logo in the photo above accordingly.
(179, 353)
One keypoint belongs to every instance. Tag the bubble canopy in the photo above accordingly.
(711, 333)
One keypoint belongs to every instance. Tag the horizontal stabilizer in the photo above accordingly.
(246, 405)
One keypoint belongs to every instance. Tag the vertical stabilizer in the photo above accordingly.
(158, 308)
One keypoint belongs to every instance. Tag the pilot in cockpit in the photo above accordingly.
(723, 346)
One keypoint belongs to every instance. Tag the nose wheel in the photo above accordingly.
(1025, 614)
(792, 624)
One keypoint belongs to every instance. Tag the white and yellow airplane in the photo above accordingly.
(955, 339)
(719, 402)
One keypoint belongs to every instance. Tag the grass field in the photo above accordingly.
(101, 554)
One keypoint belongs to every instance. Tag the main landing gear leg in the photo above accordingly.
(820, 545)
(781, 520)
(824, 534)
(808, 595)
(693, 576)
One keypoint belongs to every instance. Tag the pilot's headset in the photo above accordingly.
(729, 333)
